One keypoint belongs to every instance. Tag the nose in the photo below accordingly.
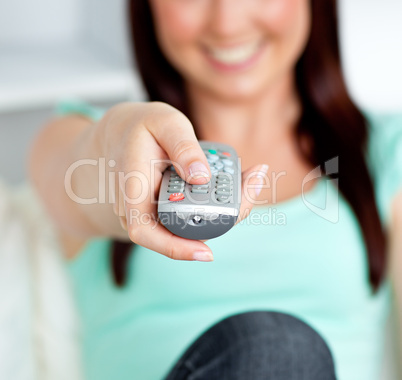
(229, 17)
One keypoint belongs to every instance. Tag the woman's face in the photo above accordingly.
(233, 49)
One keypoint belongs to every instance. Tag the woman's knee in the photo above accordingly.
(260, 345)
(279, 340)
(276, 331)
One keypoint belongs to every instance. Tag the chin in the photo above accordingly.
(238, 91)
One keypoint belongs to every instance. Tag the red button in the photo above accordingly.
(226, 154)
(176, 197)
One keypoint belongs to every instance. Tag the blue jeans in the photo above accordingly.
(257, 346)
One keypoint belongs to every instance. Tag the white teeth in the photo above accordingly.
(235, 55)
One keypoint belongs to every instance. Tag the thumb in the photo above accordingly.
(190, 162)
(175, 134)
(253, 180)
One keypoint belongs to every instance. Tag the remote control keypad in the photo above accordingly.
(224, 187)
(200, 189)
(219, 163)
(176, 184)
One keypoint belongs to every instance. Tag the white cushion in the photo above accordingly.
(39, 326)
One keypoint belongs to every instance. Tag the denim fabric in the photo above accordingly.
(257, 346)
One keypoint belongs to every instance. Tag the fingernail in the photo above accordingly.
(198, 170)
(202, 256)
(260, 178)
(258, 186)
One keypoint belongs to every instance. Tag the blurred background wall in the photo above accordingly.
(52, 50)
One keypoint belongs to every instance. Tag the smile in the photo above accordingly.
(237, 57)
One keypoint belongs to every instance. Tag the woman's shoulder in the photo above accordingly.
(384, 154)
(384, 138)
(384, 125)
(76, 106)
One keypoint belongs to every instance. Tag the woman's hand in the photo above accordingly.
(136, 140)
(142, 138)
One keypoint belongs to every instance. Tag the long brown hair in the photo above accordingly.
(329, 119)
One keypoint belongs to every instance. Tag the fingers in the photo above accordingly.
(142, 225)
(165, 132)
(157, 238)
(144, 229)
(253, 180)
(176, 136)
(140, 219)
(149, 233)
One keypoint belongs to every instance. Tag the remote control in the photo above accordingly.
(205, 211)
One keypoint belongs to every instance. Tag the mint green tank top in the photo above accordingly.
(283, 257)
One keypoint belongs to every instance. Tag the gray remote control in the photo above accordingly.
(206, 211)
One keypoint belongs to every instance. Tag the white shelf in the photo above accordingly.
(32, 78)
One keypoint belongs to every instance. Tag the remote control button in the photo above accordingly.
(199, 190)
(227, 154)
(176, 197)
(178, 184)
(223, 198)
(214, 171)
(212, 151)
(212, 158)
(223, 179)
(224, 186)
(175, 176)
(224, 176)
(205, 186)
(197, 219)
(179, 180)
(219, 165)
(227, 162)
(221, 183)
(223, 192)
(176, 181)
(228, 170)
(175, 189)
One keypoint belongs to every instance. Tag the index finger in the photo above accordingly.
(149, 233)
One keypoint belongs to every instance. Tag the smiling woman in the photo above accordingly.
(231, 50)
(307, 296)
(297, 72)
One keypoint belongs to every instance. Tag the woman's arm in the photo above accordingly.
(61, 143)
(133, 135)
